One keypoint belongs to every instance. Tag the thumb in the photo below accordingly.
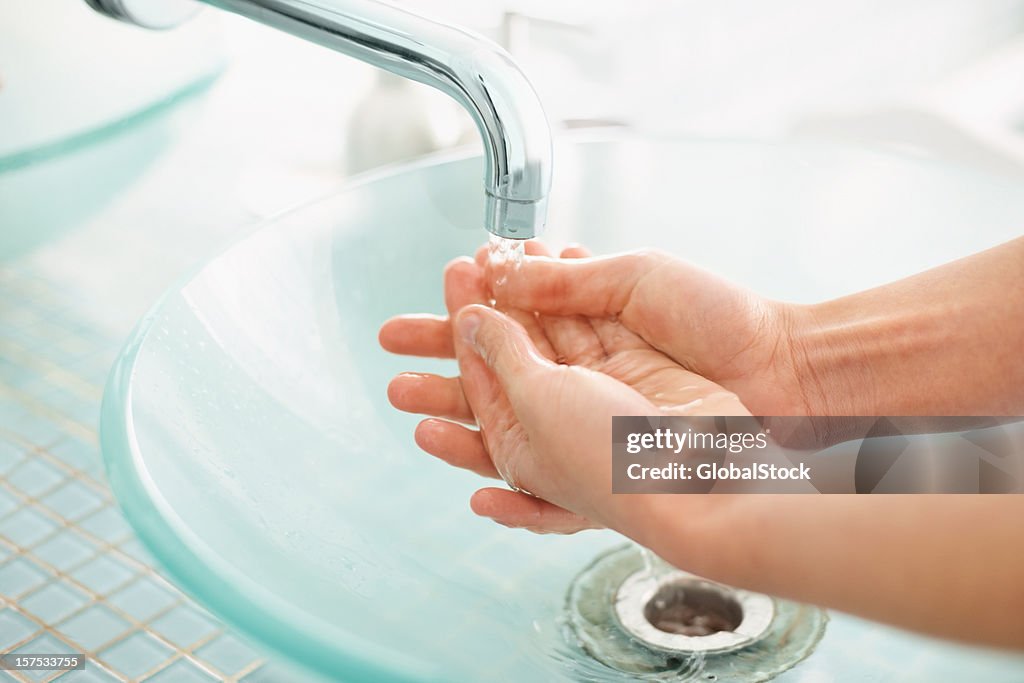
(596, 287)
(504, 346)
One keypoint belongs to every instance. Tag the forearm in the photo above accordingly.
(945, 342)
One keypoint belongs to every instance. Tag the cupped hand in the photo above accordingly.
(541, 389)
(708, 325)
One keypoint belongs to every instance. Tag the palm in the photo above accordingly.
(607, 346)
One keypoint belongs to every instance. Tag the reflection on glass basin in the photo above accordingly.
(248, 437)
(86, 171)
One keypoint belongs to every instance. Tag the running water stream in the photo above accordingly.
(505, 255)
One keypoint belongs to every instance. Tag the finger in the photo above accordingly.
(499, 427)
(536, 248)
(572, 339)
(427, 394)
(505, 348)
(418, 335)
(456, 445)
(522, 511)
(594, 287)
(463, 285)
(463, 277)
(538, 334)
(532, 399)
(487, 258)
(486, 390)
(487, 400)
(575, 251)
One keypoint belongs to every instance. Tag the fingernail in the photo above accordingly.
(469, 323)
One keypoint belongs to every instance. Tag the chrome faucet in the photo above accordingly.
(477, 73)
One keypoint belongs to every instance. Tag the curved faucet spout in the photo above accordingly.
(474, 71)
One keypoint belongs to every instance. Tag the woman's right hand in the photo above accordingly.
(710, 326)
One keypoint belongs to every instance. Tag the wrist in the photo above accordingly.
(707, 534)
(832, 359)
(877, 354)
(944, 342)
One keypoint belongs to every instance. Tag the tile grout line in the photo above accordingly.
(142, 570)
(74, 385)
(48, 369)
(41, 409)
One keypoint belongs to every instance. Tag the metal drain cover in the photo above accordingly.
(746, 638)
(641, 590)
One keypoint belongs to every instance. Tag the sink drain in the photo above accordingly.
(664, 624)
(677, 612)
(689, 608)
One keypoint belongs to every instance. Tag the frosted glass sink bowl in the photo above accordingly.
(248, 437)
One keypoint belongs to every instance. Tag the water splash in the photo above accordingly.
(649, 559)
(505, 256)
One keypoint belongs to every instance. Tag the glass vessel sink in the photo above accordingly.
(248, 437)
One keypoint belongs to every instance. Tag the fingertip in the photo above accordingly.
(460, 260)
(520, 511)
(425, 433)
(386, 334)
(503, 344)
(403, 387)
(575, 250)
(468, 320)
(460, 264)
(394, 392)
(536, 248)
(398, 388)
(480, 257)
(487, 330)
(486, 502)
(463, 284)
